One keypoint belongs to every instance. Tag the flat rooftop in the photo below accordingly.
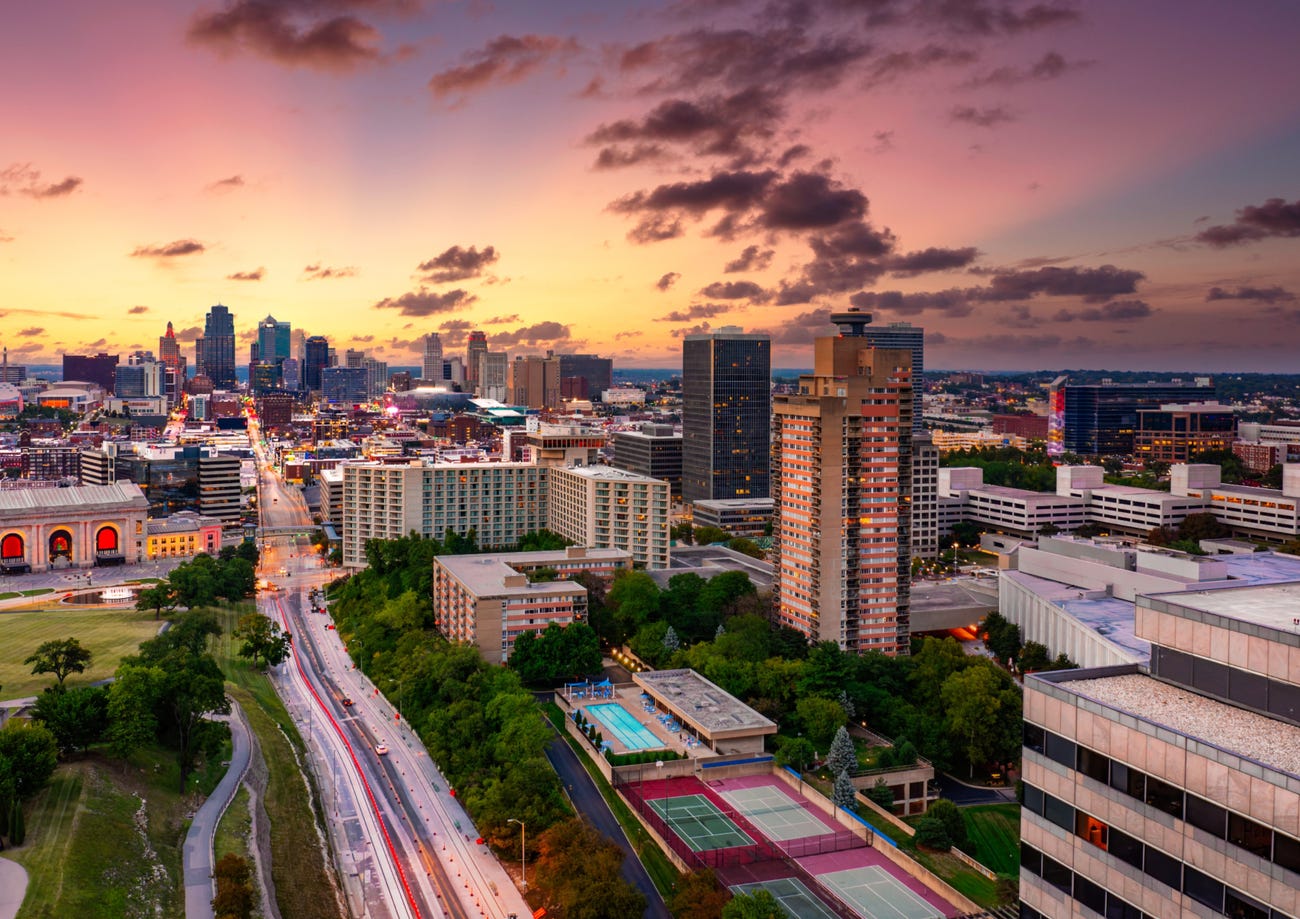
(1024, 494)
(1273, 743)
(485, 576)
(702, 703)
(1111, 618)
(1274, 606)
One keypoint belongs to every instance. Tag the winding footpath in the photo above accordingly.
(13, 887)
(197, 859)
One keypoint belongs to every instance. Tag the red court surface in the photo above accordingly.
(747, 870)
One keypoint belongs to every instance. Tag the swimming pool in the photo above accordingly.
(625, 728)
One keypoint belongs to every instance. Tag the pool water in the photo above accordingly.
(626, 729)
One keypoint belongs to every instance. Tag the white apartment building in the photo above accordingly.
(331, 494)
(499, 502)
(925, 497)
(602, 507)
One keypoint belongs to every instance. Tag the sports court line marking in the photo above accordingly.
(698, 821)
(795, 898)
(876, 893)
(779, 816)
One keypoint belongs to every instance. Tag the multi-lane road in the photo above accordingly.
(404, 845)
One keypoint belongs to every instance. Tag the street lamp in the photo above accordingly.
(523, 853)
(401, 692)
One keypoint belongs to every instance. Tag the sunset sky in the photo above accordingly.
(1038, 184)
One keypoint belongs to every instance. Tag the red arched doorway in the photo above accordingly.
(61, 544)
(108, 546)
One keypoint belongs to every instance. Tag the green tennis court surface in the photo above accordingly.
(876, 895)
(794, 897)
(779, 816)
(695, 819)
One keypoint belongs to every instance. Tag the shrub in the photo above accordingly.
(930, 833)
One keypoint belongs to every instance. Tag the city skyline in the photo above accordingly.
(1037, 185)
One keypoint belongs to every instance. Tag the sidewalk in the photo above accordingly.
(13, 887)
(197, 855)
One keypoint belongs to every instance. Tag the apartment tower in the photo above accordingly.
(841, 484)
(726, 415)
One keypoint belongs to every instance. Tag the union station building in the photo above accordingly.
(81, 527)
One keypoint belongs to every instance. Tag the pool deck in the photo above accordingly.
(630, 697)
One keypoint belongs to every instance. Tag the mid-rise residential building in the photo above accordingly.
(1171, 790)
(654, 450)
(214, 351)
(1177, 433)
(602, 507)
(841, 481)
(1102, 418)
(497, 502)
(726, 415)
(748, 517)
(926, 529)
(489, 601)
(331, 495)
(564, 444)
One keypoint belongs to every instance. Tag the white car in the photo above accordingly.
(381, 749)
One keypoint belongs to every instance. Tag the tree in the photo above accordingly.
(881, 794)
(698, 896)
(966, 533)
(195, 582)
(1202, 526)
(1002, 637)
(843, 793)
(820, 718)
(954, 825)
(542, 541)
(842, 756)
(931, 834)
(745, 547)
(132, 697)
(757, 905)
(1033, 657)
(973, 701)
(794, 751)
(707, 536)
(76, 717)
(157, 598)
(263, 640)
(633, 600)
(671, 641)
(234, 899)
(577, 874)
(682, 533)
(30, 753)
(61, 658)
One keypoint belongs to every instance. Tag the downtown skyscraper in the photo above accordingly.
(841, 483)
(726, 415)
(214, 352)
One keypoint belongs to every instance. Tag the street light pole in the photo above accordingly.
(523, 852)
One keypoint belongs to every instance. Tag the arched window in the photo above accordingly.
(60, 544)
(106, 540)
(12, 546)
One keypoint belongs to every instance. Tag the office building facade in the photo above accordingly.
(214, 352)
(431, 370)
(1102, 418)
(904, 335)
(345, 385)
(100, 369)
(475, 348)
(1177, 433)
(841, 483)
(726, 415)
(1175, 790)
(316, 350)
(654, 450)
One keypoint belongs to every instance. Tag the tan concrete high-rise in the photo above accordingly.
(841, 483)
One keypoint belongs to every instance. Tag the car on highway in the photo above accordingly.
(346, 700)
(329, 625)
(381, 748)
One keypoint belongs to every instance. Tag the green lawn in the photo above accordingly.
(95, 852)
(109, 634)
(993, 831)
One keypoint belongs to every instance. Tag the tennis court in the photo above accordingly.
(876, 895)
(796, 899)
(695, 819)
(779, 816)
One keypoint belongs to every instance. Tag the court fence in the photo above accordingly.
(731, 862)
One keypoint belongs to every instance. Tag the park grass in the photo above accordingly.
(109, 634)
(94, 852)
(235, 828)
(993, 831)
(663, 873)
(304, 883)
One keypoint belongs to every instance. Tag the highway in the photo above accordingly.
(404, 845)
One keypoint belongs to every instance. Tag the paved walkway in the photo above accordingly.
(197, 858)
(13, 887)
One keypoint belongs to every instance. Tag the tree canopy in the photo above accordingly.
(61, 657)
